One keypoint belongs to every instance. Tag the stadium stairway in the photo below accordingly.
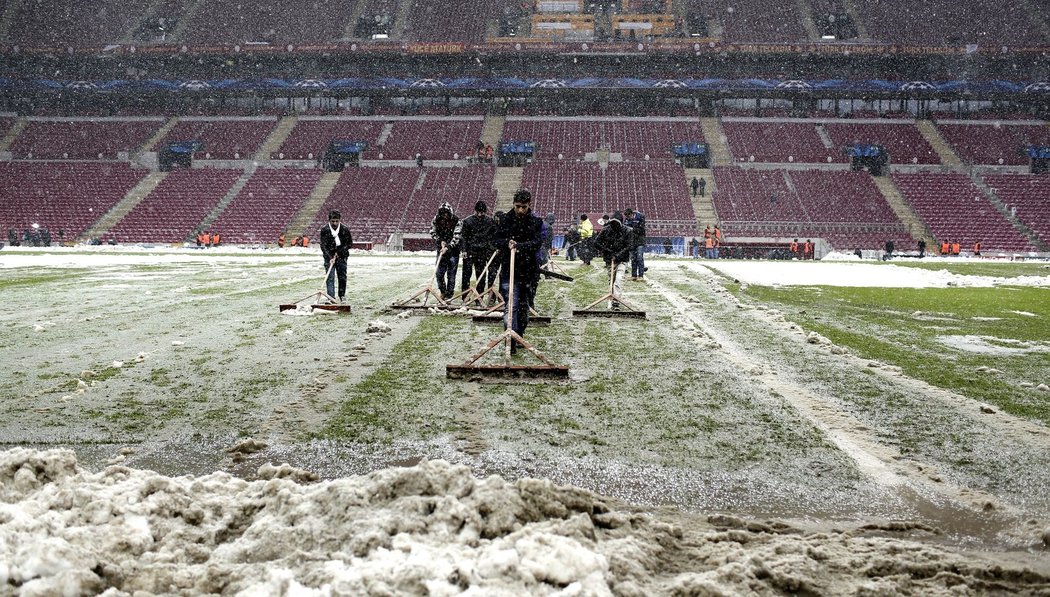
(851, 10)
(716, 142)
(404, 9)
(492, 130)
(356, 10)
(277, 137)
(506, 182)
(151, 143)
(313, 204)
(216, 211)
(1018, 225)
(1036, 16)
(805, 13)
(916, 227)
(939, 144)
(8, 17)
(135, 196)
(190, 11)
(703, 207)
(16, 129)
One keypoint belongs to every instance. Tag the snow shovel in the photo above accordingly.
(471, 369)
(330, 305)
(427, 293)
(621, 308)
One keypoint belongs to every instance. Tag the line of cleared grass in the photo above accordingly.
(905, 327)
(1006, 269)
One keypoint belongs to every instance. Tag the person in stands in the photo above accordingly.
(335, 248)
(443, 231)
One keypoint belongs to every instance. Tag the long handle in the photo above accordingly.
(324, 289)
(510, 300)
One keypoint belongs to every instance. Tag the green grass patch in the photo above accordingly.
(922, 330)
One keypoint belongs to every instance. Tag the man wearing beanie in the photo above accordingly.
(335, 247)
(442, 230)
(519, 229)
(614, 243)
(473, 238)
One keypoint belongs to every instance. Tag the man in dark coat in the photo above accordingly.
(521, 230)
(636, 222)
(473, 237)
(443, 231)
(335, 247)
(614, 242)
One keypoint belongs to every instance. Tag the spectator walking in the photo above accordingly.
(703, 187)
(694, 184)
(443, 231)
(335, 248)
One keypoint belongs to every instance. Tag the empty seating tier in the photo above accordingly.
(432, 139)
(309, 138)
(843, 207)
(994, 144)
(372, 201)
(903, 141)
(1028, 197)
(266, 205)
(955, 210)
(780, 142)
(632, 139)
(222, 138)
(82, 139)
(269, 21)
(61, 196)
(174, 210)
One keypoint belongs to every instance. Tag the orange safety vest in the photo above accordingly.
(794, 247)
(709, 243)
(215, 239)
(808, 248)
(976, 247)
(280, 241)
(206, 239)
(200, 238)
(306, 241)
(955, 248)
(944, 248)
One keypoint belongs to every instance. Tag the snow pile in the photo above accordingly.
(431, 529)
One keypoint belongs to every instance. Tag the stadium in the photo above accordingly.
(762, 423)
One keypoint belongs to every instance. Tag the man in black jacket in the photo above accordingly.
(443, 230)
(614, 242)
(335, 247)
(473, 238)
(521, 230)
(636, 222)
